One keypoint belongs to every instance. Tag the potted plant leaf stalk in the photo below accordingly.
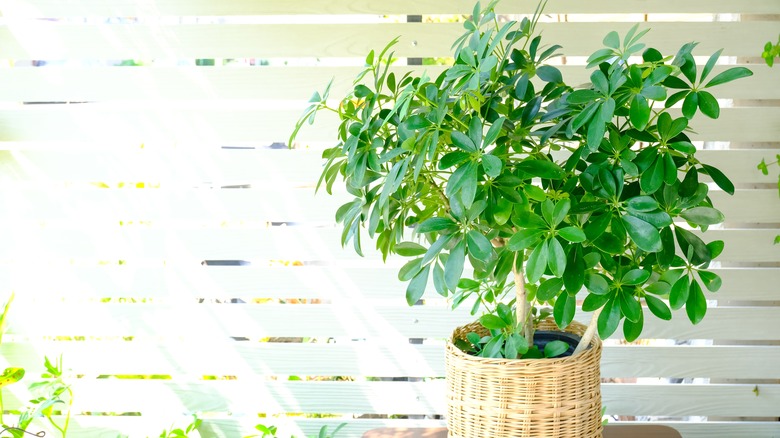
(532, 201)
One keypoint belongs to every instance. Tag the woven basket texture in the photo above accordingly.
(523, 398)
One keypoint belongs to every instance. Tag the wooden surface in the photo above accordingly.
(610, 431)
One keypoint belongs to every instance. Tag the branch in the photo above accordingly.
(587, 337)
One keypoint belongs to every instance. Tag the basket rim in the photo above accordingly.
(593, 349)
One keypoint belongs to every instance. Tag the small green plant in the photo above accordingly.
(182, 433)
(53, 391)
(771, 51)
(271, 431)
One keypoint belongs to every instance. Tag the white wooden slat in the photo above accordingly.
(207, 206)
(192, 83)
(54, 8)
(53, 41)
(212, 206)
(331, 284)
(354, 320)
(98, 122)
(296, 243)
(190, 165)
(109, 427)
(373, 359)
(397, 398)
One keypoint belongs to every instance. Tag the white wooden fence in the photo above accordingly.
(112, 204)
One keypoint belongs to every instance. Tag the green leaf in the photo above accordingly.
(711, 280)
(720, 179)
(560, 211)
(524, 239)
(640, 112)
(609, 319)
(609, 243)
(599, 82)
(593, 302)
(708, 105)
(464, 180)
(653, 178)
(547, 211)
(410, 269)
(555, 349)
(549, 289)
(492, 165)
(680, 291)
(454, 266)
(710, 64)
(505, 313)
(529, 219)
(659, 288)
(549, 73)
(690, 104)
(479, 246)
(630, 306)
(699, 253)
(416, 287)
(11, 375)
(492, 322)
(541, 168)
(409, 249)
(703, 216)
(642, 204)
(729, 75)
(646, 236)
(572, 234)
(493, 132)
(436, 248)
(436, 224)
(556, 257)
(463, 141)
(597, 284)
(537, 262)
(632, 329)
(453, 158)
(685, 147)
(635, 277)
(696, 306)
(658, 308)
(564, 310)
(612, 40)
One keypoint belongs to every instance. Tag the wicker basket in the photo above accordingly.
(531, 398)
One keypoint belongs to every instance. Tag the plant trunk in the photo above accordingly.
(589, 333)
(521, 301)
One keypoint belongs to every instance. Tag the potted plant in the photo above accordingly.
(519, 195)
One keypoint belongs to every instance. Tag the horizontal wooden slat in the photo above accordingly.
(374, 359)
(93, 241)
(390, 398)
(55, 41)
(331, 284)
(109, 427)
(54, 84)
(212, 206)
(193, 166)
(54, 8)
(357, 320)
(206, 206)
(96, 122)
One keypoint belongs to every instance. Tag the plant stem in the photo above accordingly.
(521, 302)
(590, 332)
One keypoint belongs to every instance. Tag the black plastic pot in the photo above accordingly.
(543, 337)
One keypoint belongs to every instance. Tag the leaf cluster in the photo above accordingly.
(498, 167)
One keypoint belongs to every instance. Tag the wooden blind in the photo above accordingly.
(157, 233)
